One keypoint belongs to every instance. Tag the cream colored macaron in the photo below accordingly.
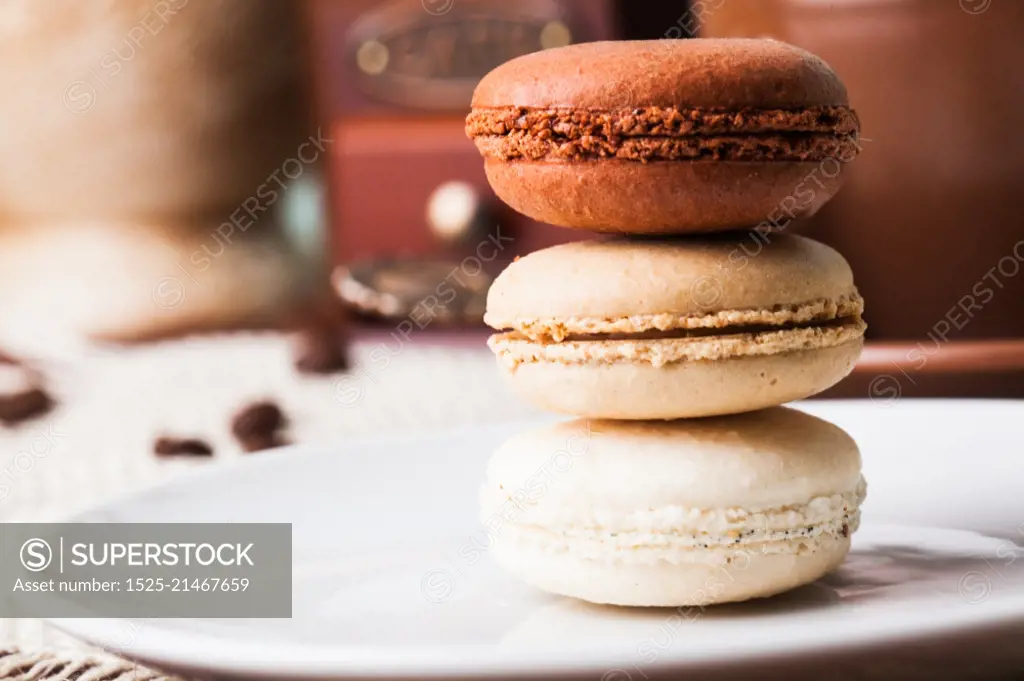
(664, 329)
(672, 513)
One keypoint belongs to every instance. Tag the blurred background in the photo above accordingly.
(182, 167)
(227, 225)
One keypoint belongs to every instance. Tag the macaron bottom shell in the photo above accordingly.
(747, 574)
(664, 197)
(689, 389)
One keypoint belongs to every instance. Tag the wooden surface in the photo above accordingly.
(982, 368)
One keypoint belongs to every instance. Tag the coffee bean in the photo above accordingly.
(259, 443)
(178, 446)
(256, 426)
(320, 351)
(24, 405)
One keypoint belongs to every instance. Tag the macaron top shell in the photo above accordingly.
(760, 460)
(627, 286)
(725, 73)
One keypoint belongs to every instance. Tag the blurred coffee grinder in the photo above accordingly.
(416, 232)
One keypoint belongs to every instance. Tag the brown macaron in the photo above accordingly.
(664, 136)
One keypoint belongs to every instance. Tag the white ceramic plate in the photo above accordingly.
(389, 582)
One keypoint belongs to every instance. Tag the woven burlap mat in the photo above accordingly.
(19, 665)
(97, 444)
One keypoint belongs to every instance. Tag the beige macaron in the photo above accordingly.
(665, 329)
(671, 513)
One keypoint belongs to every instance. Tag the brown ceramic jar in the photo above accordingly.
(930, 214)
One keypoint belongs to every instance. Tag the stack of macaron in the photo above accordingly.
(676, 335)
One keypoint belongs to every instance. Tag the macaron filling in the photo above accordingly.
(551, 329)
(665, 134)
(664, 339)
(514, 349)
(671, 334)
(656, 121)
(679, 533)
(793, 147)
